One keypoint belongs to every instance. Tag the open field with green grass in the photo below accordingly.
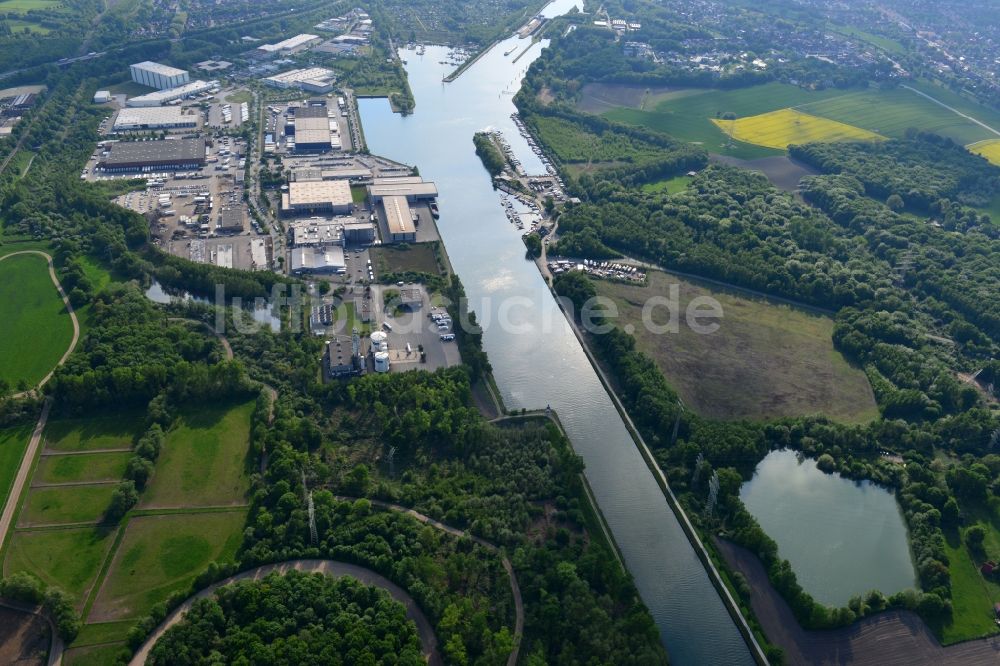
(891, 112)
(203, 460)
(162, 554)
(13, 442)
(98, 432)
(82, 468)
(21, 6)
(70, 559)
(94, 655)
(65, 505)
(414, 257)
(765, 360)
(688, 113)
(670, 186)
(35, 329)
(105, 632)
(972, 596)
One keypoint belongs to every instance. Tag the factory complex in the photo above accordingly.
(158, 155)
(323, 196)
(150, 118)
(309, 79)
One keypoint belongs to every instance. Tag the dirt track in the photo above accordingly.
(896, 638)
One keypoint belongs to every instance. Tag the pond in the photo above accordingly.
(842, 537)
(262, 311)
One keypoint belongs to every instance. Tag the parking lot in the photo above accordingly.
(415, 327)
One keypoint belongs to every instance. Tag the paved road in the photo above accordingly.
(515, 588)
(23, 472)
(328, 567)
(69, 309)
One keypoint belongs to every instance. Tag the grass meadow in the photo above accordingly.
(35, 329)
(162, 554)
(81, 468)
(13, 442)
(70, 559)
(203, 460)
(765, 361)
(94, 433)
(65, 505)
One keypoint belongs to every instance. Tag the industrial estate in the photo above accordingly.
(467, 332)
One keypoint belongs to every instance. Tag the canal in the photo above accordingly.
(536, 358)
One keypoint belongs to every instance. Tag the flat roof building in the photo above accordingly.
(311, 129)
(156, 117)
(318, 233)
(231, 220)
(158, 76)
(310, 79)
(153, 155)
(328, 260)
(317, 196)
(411, 191)
(288, 46)
(172, 94)
(359, 233)
(398, 219)
(102, 97)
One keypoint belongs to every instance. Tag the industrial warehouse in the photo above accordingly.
(165, 154)
(150, 118)
(311, 129)
(324, 196)
(172, 95)
(158, 76)
(311, 79)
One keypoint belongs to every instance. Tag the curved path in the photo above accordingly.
(515, 588)
(893, 638)
(69, 309)
(328, 567)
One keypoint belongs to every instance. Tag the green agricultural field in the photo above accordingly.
(69, 559)
(688, 114)
(972, 597)
(62, 506)
(160, 555)
(81, 468)
(21, 6)
(105, 632)
(35, 330)
(94, 433)
(765, 361)
(671, 186)
(572, 142)
(203, 461)
(13, 442)
(95, 655)
(892, 112)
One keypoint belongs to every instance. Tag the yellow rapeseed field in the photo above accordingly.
(778, 129)
(990, 149)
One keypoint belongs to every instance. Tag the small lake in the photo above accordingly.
(262, 311)
(842, 537)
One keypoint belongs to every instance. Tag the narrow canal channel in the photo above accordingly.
(537, 360)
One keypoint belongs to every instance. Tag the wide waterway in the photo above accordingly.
(536, 359)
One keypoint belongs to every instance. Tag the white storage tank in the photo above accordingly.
(382, 361)
(378, 339)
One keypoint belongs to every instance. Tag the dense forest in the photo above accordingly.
(293, 618)
(924, 171)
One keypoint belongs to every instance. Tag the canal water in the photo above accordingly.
(842, 537)
(537, 360)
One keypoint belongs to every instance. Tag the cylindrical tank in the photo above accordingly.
(382, 361)
(378, 339)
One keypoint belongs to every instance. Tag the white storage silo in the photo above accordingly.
(379, 339)
(382, 361)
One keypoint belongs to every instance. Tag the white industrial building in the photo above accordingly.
(102, 97)
(309, 79)
(157, 117)
(413, 188)
(328, 260)
(158, 76)
(399, 220)
(170, 95)
(288, 46)
(317, 196)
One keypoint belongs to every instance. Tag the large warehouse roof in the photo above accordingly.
(157, 68)
(157, 116)
(315, 192)
(423, 190)
(398, 218)
(156, 152)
